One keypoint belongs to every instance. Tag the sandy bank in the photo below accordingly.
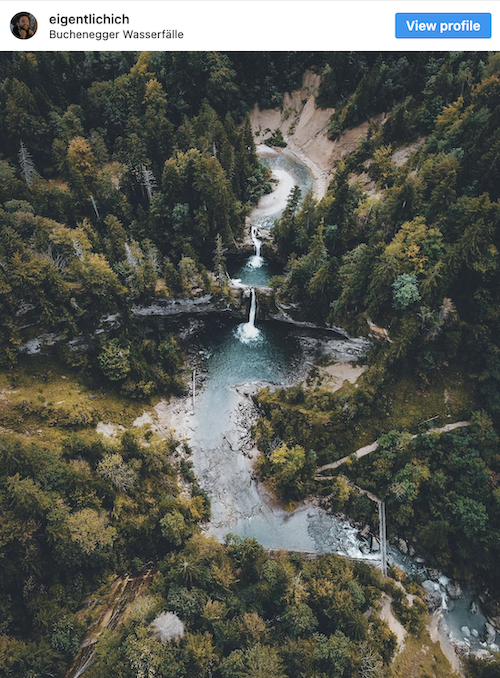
(335, 375)
(304, 127)
(387, 615)
(439, 635)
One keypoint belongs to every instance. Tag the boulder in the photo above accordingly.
(403, 546)
(465, 630)
(375, 545)
(475, 633)
(411, 550)
(433, 573)
(462, 647)
(454, 590)
(489, 633)
(365, 532)
(429, 586)
(473, 607)
(434, 600)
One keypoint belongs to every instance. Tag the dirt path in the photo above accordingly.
(387, 615)
(363, 451)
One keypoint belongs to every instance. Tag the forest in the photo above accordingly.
(419, 259)
(125, 178)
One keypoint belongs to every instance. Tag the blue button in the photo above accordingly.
(445, 25)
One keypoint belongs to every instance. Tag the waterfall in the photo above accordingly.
(253, 304)
(256, 261)
(257, 243)
(247, 332)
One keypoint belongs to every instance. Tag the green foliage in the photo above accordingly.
(64, 637)
(130, 185)
(276, 139)
(174, 528)
(114, 360)
(247, 615)
(290, 470)
(113, 469)
(146, 168)
(413, 616)
(405, 291)
(482, 668)
(74, 513)
(417, 253)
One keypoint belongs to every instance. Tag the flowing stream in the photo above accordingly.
(240, 359)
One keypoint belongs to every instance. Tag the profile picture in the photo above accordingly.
(23, 25)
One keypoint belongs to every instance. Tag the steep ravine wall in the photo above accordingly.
(304, 127)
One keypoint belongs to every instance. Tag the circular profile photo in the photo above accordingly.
(23, 25)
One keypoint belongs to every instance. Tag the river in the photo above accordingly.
(240, 358)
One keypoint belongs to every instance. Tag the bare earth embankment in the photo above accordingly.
(304, 127)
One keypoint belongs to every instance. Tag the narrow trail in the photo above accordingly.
(367, 449)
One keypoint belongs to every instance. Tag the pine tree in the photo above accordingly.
(219, 259)
(148, 181)
(26, 164)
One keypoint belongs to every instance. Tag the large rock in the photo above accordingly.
(465, 630)
(403, 546)
(375, 545)
(365, 532)
(495, 621)
(433, 573)
(454, 590)
(489, 633)
(434, 600)
(429, 586)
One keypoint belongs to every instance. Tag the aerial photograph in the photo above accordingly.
(250, 364)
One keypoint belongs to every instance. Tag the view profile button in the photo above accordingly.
(443, 25)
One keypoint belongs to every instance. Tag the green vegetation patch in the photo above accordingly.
(233, 611)
(42, 396)
(421, 658)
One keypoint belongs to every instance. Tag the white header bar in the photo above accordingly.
(307, 25)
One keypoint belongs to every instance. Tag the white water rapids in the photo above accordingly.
(247, 332)
(256, 261)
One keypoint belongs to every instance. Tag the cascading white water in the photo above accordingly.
(247, 332)
(257, 243)
(256, 261)
(253, 308)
